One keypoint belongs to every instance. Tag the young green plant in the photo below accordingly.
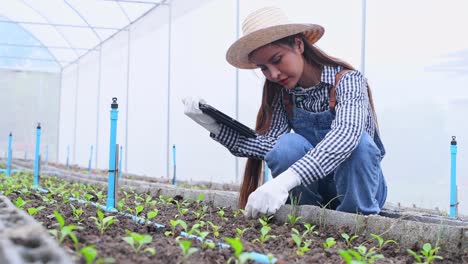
(240, 257)
(137, 241)
(428, 254)
(362, 255)
(102, 222)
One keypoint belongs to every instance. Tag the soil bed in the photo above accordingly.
(168, 250)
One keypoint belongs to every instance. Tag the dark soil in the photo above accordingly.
(111, 245)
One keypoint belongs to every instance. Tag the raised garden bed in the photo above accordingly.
(310, 243)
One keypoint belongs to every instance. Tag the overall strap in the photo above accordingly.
(332, 101)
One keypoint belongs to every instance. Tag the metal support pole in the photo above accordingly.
(8, 167)
(76, 110)
(453, 178)
(68, 157)
(174, 181)
(363, 37)
(120, 162)
(97, 107)
(36, 160)
(168, 87)
(90, 159)
(237, 83)
(128, 102)
(112, 156)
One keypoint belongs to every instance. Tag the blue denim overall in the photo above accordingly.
(357, 185)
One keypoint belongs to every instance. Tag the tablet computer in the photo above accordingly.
(227, 120)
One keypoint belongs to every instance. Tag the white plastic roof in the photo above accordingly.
(43, 34)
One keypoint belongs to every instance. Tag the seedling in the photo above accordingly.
(221, 213)
(297, 237)
(265, 220)
(20, 203)
(214, 228)
(77, 212)
(349, 239)
(240, 232)
(428, 254)
(293, 219)
(149, 201)
(201, 212)
(33, 211)
(65, 230)
(88, 196)
(174, 224)
(239, 211)
(181, 210)
(151, 214)
(240, 257)
(362, 255)
(381, 241)
(200, 199)
(264, 236)
(121, 204)
(205, 243)
(99, 195)
(102, 222)
(137, 241)
(329, 242)
(310, 229)
(89, 253)
(187, 249)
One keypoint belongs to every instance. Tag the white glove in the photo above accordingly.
(269, 197)
(193, 111)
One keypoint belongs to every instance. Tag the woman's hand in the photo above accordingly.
(269, 197)
(193, 111)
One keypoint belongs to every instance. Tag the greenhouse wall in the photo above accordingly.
(28, 98)
(415, 69)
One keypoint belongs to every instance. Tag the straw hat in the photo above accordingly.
(262, 27)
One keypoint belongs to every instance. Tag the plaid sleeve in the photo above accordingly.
(259, 146)
(345, 133)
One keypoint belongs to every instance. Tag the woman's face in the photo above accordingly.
(280, 63)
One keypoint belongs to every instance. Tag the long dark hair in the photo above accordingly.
(271, 91)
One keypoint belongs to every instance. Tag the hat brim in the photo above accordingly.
(238, 54)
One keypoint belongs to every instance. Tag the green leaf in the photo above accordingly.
(152, 214)
(146, 239)
(60, 219)
(427, 247)
(130, 241)
(152, 251)
(191, 251)
(89, 253)
(296, 239)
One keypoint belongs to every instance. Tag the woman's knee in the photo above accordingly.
(288, 149)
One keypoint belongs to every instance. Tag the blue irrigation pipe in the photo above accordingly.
(453, 178)
(90, 159)
(113, 138)
(8, 167)
(174, 181)
(255, 256)
(37, 157)
(120, 163)
(68, 157)
(8, 171)
(265, 166)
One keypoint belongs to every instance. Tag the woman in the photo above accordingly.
(333, 157)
